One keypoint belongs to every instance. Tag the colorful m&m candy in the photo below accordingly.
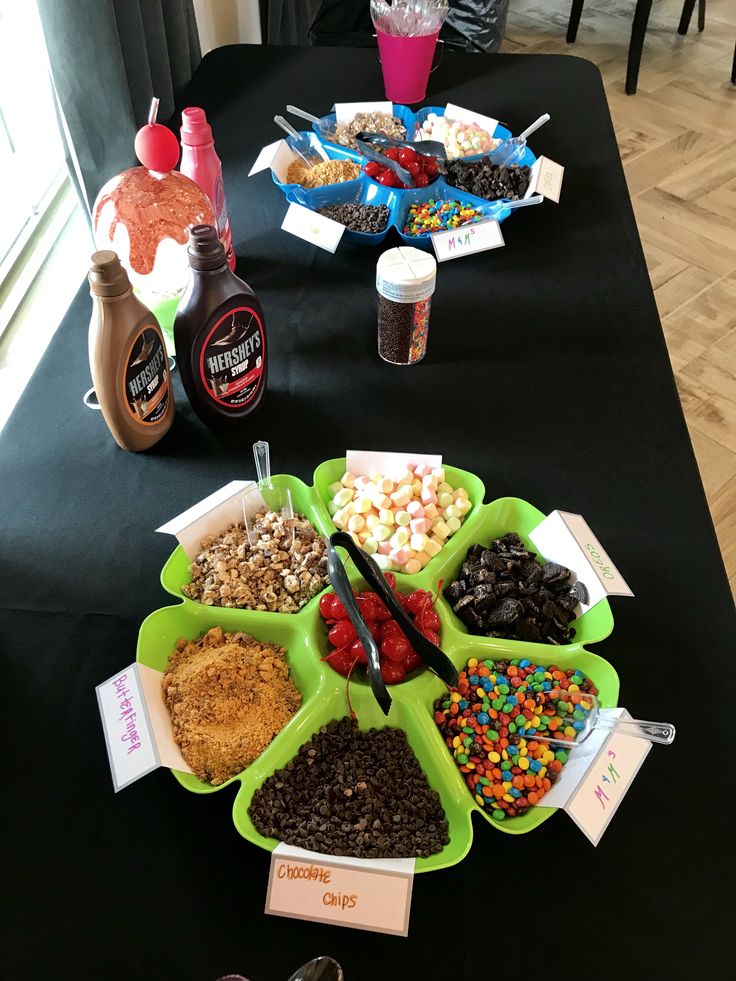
(490, 721)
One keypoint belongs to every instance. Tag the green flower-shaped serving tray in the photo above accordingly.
(304, 636)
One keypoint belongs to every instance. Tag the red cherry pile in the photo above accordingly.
(423, 169)
(397, 656)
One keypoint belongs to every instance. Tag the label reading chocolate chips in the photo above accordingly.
(360, 893)
(146, 386)
(231, 359)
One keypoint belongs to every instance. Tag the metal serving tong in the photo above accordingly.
(365, 142)
(432, 656)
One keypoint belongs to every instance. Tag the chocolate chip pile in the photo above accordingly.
(273, 573)
(348, 792)
(369, 218)
(502, 591)
(487, 180)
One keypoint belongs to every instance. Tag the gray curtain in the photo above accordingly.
(288, 21)
(108, 58)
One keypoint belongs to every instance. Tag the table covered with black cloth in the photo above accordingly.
(547, 375)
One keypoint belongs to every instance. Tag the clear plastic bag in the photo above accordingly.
(471, 25)
(476, 25)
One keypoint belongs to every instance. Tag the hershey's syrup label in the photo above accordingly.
(231, 359)
(147, 377)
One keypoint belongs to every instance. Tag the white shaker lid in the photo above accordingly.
(406, 275)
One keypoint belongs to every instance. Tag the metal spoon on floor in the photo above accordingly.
(319, 969)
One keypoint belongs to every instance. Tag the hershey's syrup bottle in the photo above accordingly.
(220, 336)
(128, 363)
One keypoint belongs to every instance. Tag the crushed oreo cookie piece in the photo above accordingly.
(505, 591)
(487, 180)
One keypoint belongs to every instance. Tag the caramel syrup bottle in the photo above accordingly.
(220, 336)
(128, 362)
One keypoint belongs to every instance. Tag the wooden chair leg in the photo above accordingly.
(687, 12)
(701, 15)
(638, 30)
(572, 25)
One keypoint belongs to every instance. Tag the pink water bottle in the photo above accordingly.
(200, 162)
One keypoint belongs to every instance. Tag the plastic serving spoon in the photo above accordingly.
(506, 205)
(432, 656)
(301, 145)
(303, 114)
(276, 498)
(326, 131)
(655, 732)
(513, 146)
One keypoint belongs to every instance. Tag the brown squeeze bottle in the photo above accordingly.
(220, 336)
(130, 369)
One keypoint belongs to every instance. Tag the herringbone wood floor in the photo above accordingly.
(677, 138)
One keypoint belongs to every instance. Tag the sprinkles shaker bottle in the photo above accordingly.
(405, 281)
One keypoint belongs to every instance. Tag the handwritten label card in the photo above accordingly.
(131, 748)
(597, 775)
(460, 115)
(606, 782)
(213, 515)
(345, 111)
(266, 157)
(566, 538)
(467, 239)
(546, 179)
(352, 892)
(312, 227)
(361, 463)
(137, 725)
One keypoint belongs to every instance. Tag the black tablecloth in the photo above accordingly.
(547, 374)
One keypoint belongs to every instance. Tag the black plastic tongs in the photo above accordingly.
(432, 656)
(365, 142)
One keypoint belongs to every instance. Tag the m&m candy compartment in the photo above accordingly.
(511, 601)
(229, 549)
(162, 632)
(489, 721)
(424, 211)
(410, 529)
(364, 207)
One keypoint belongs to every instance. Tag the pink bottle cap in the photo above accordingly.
(195, 130)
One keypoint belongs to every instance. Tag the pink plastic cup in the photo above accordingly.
(406, 63)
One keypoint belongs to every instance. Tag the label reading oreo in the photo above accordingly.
(147, 377)
(232, 358)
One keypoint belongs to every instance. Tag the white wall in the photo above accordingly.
(227, 22)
